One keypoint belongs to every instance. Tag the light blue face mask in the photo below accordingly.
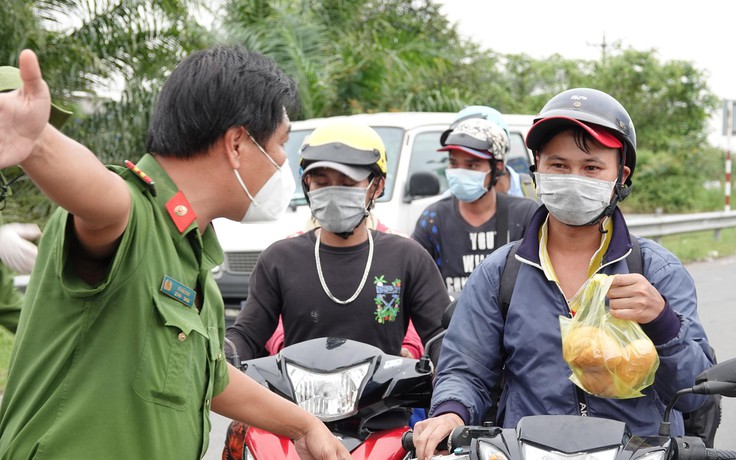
(465, 184)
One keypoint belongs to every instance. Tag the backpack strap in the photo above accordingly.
(508, 279)
(502, 219)
(633, 260)
(506, 288)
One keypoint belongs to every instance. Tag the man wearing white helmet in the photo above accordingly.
(459, 231)
(508, 180)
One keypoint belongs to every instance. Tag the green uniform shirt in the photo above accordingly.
(10, 300)
(126, 369)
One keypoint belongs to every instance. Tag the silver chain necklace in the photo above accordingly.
(362, 281)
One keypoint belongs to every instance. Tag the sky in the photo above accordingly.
(702, 32)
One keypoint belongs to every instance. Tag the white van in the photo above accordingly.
(415, 179)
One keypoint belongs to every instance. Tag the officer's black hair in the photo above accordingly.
(214, 90)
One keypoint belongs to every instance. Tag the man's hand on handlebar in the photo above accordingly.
(430, 432)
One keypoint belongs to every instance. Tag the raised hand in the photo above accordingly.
(24, 113)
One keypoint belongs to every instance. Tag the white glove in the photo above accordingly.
(16, 249)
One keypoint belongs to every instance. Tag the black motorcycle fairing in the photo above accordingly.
(392, 384)
(572, 433)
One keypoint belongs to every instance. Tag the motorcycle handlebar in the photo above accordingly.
(687, 448)
(720, 454)
(407, 442)
(693, 448)
(458, 437)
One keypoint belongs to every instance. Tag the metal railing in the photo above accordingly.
(656, 226)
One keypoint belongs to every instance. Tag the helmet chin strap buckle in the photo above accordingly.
(346, 235)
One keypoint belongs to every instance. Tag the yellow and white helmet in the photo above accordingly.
(354, 149)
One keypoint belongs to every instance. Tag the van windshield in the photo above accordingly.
(424, 156)
(392, 137)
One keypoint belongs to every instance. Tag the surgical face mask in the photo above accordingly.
(273, 198)
(572, 199)
(465, 184)
(338, 209)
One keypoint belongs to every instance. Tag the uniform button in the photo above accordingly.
(182, 337)
(181, 210)
(207, 403)
(219, 355)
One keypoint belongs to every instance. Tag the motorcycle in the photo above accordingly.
(363, 395)
(568, 437)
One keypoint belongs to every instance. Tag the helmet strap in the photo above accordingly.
(369, 206)
(620, 192)
(494, 173)
(346, 235)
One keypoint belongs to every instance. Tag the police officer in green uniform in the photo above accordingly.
(12, 235)
(119, 348)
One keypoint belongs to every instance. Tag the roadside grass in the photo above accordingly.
(689, 247)
(699, 246)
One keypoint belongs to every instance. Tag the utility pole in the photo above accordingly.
(729, 131)
(603, 45)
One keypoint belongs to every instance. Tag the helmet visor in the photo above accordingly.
(544, 129)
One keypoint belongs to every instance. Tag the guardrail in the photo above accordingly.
(656, 226)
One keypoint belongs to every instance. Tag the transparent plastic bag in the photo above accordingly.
(609, 357)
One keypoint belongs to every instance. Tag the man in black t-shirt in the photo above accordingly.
(340, 279)
(459, 231)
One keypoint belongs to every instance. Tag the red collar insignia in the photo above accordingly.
(180, 211)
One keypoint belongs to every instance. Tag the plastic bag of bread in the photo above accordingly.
(609, 357)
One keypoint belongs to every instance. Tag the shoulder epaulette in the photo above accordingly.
(142, 176)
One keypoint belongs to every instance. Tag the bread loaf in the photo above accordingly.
(589, 347)
(640, 356)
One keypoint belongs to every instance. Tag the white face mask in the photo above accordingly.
(572, 199)
(273, 198)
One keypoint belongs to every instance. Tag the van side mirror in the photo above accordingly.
(421, 184)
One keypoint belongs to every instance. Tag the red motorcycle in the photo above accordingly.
(364, 396)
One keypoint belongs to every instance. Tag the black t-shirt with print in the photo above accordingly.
(458, 247)
(403, 283)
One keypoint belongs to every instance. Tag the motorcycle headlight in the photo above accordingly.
(488, 451)
(535, 453)
(656, 455)
(329, 396)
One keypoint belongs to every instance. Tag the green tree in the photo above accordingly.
(669, 102)
(105, 59)
(353, 56)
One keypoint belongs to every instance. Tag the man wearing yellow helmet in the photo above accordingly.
(342, 279)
